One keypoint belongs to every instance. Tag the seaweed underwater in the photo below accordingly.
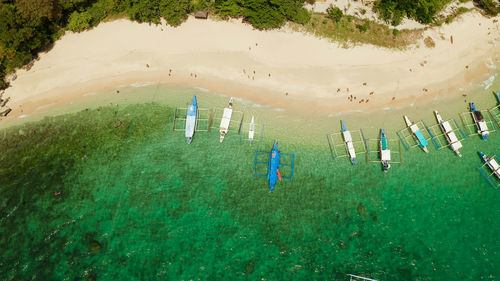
(113, 193)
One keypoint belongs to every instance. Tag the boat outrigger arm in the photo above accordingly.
(192, 114)
(226, 120)
(492, 163)
(450, 136)
(348, 143)
(482, 128)
(273, 164)
(417, 134)
(385, 152)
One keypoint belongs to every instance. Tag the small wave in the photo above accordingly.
(23, 116)
(489, 82)
(387, 108)
(141, 84)
(279, 109)
(204, 90)
(90, 94)
(44, 106)
(258, 105)
(248, 103)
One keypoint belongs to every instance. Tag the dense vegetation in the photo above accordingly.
(424, 11)
(29, 26)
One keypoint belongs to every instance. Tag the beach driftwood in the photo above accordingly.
(5, 112)
(4, 102)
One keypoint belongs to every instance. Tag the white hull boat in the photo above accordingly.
(226, 120)
(450, 136)
(251, 131)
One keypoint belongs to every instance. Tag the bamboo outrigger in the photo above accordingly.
(192, 119)
(449, 134)
(349, 143)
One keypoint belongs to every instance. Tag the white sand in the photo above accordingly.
(224, 56)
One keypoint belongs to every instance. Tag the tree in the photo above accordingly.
(175, 11)
(79, 21)
(36, 10)
(144, 11)
(335, 13)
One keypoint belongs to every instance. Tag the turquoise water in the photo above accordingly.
(137, 203)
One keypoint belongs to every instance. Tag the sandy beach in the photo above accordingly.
(280, 68)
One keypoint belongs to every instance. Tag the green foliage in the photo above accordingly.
(144, 11)
(351, 31)
(489, 6)
(175, 11)
(19, 38)
(334, 13)
(36, 10)
(423, 11)
(79, 21)
(228, 8)
(363, 27)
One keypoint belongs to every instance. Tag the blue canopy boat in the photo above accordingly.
(192, 113)
(273, 164)
(482, 128)
(417, 134)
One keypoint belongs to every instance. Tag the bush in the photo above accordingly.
(175, 11)
(334, 13)
(423, 11)
(395, 32)
(488, 6)
(79, 21)
(302, 16)
(363, 27)
(144, 11)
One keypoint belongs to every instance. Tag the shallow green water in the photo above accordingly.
(137, 203)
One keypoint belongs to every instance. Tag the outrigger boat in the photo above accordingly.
(492, 163)
(417, 134)
(274, 162)
(192, 114)
(251, 131)
(226, 120)
(450, 136)
(385, 153)
(348, 143)
(482, 128)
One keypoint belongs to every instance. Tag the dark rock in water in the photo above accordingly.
(361, 209)
(95, 247)
(93, 277)
(375, 218)
(250, 266)
(342, 244)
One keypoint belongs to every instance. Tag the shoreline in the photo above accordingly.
(204, 55)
